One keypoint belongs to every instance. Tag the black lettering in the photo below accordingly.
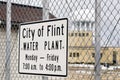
(30, 46)
(45, 44)
(24, 46)
(31, 57)
(48, 30)
(60, 44)
(40, 32)
(56, 44)
(53, 45)
(53, 30)
(23, 33)
(26, 66)
(29, 32)
(62, 29)
(52, 67)
(33, 67)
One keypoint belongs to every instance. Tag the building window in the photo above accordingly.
(72, 34)
(73, 54)
(87, 34)
(78, 55)
(101, 54)
(70, 55)
(80, 34)
(75, 34)
(115, 52)
(115, 57)
(83, 34)
(93, 55)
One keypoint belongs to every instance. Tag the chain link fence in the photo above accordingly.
(93, 36)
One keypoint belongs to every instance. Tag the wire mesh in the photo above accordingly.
(81, 36)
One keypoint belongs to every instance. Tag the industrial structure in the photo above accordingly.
(82, 42)
(82, 50)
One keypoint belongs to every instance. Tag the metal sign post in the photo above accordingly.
(8, 41)
(97, 39)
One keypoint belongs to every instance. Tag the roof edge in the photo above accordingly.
(23, 5)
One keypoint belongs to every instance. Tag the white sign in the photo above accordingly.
(43, 47)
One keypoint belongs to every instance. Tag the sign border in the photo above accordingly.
(33, 22)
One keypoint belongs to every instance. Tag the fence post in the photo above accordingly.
(45, 17)
(8, 40)
(97, 39)
(45, 9)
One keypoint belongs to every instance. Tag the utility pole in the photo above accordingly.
(8, 41)
(97, 39)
